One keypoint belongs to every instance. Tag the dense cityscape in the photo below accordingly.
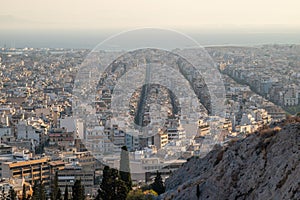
(149, 100)
(42, 140)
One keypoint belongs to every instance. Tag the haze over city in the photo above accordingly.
(149, 100)
(83, 24)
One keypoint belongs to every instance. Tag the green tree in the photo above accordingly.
(135, 195)
(121, 190)
(12, 194)
(106, 186)
(98, 195)
(39, 192)
(140, 195)
(35, 194)
(78, 191)
(112, 187)
(158, 184)
(54, 187)
(42, 191)
(66, 194)
(58, 195)
(24, 192)
(125, 168)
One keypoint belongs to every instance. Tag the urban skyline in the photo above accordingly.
(156, 100)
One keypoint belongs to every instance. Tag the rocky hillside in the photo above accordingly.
(264, 165)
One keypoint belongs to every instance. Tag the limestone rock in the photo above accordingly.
(263, 165)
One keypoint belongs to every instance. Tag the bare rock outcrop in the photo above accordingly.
(264, 165)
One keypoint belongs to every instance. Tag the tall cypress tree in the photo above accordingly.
(58, 195)
(125, 168)
(158, 184)
(106, 184)
(112, 187)
(42, 191)
(98, 195)
(78, 191)
(24, 192)
(12, 194)
(54, 187)
(66, 195)
(35, 189)
(39, 192)
(82, 192)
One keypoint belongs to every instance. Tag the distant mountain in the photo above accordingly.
(264, 165)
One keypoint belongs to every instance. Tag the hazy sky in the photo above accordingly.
(192, 14)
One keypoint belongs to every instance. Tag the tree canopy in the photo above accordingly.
(78, 192)
(66, 194)
(158, 184)
(112, 187)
